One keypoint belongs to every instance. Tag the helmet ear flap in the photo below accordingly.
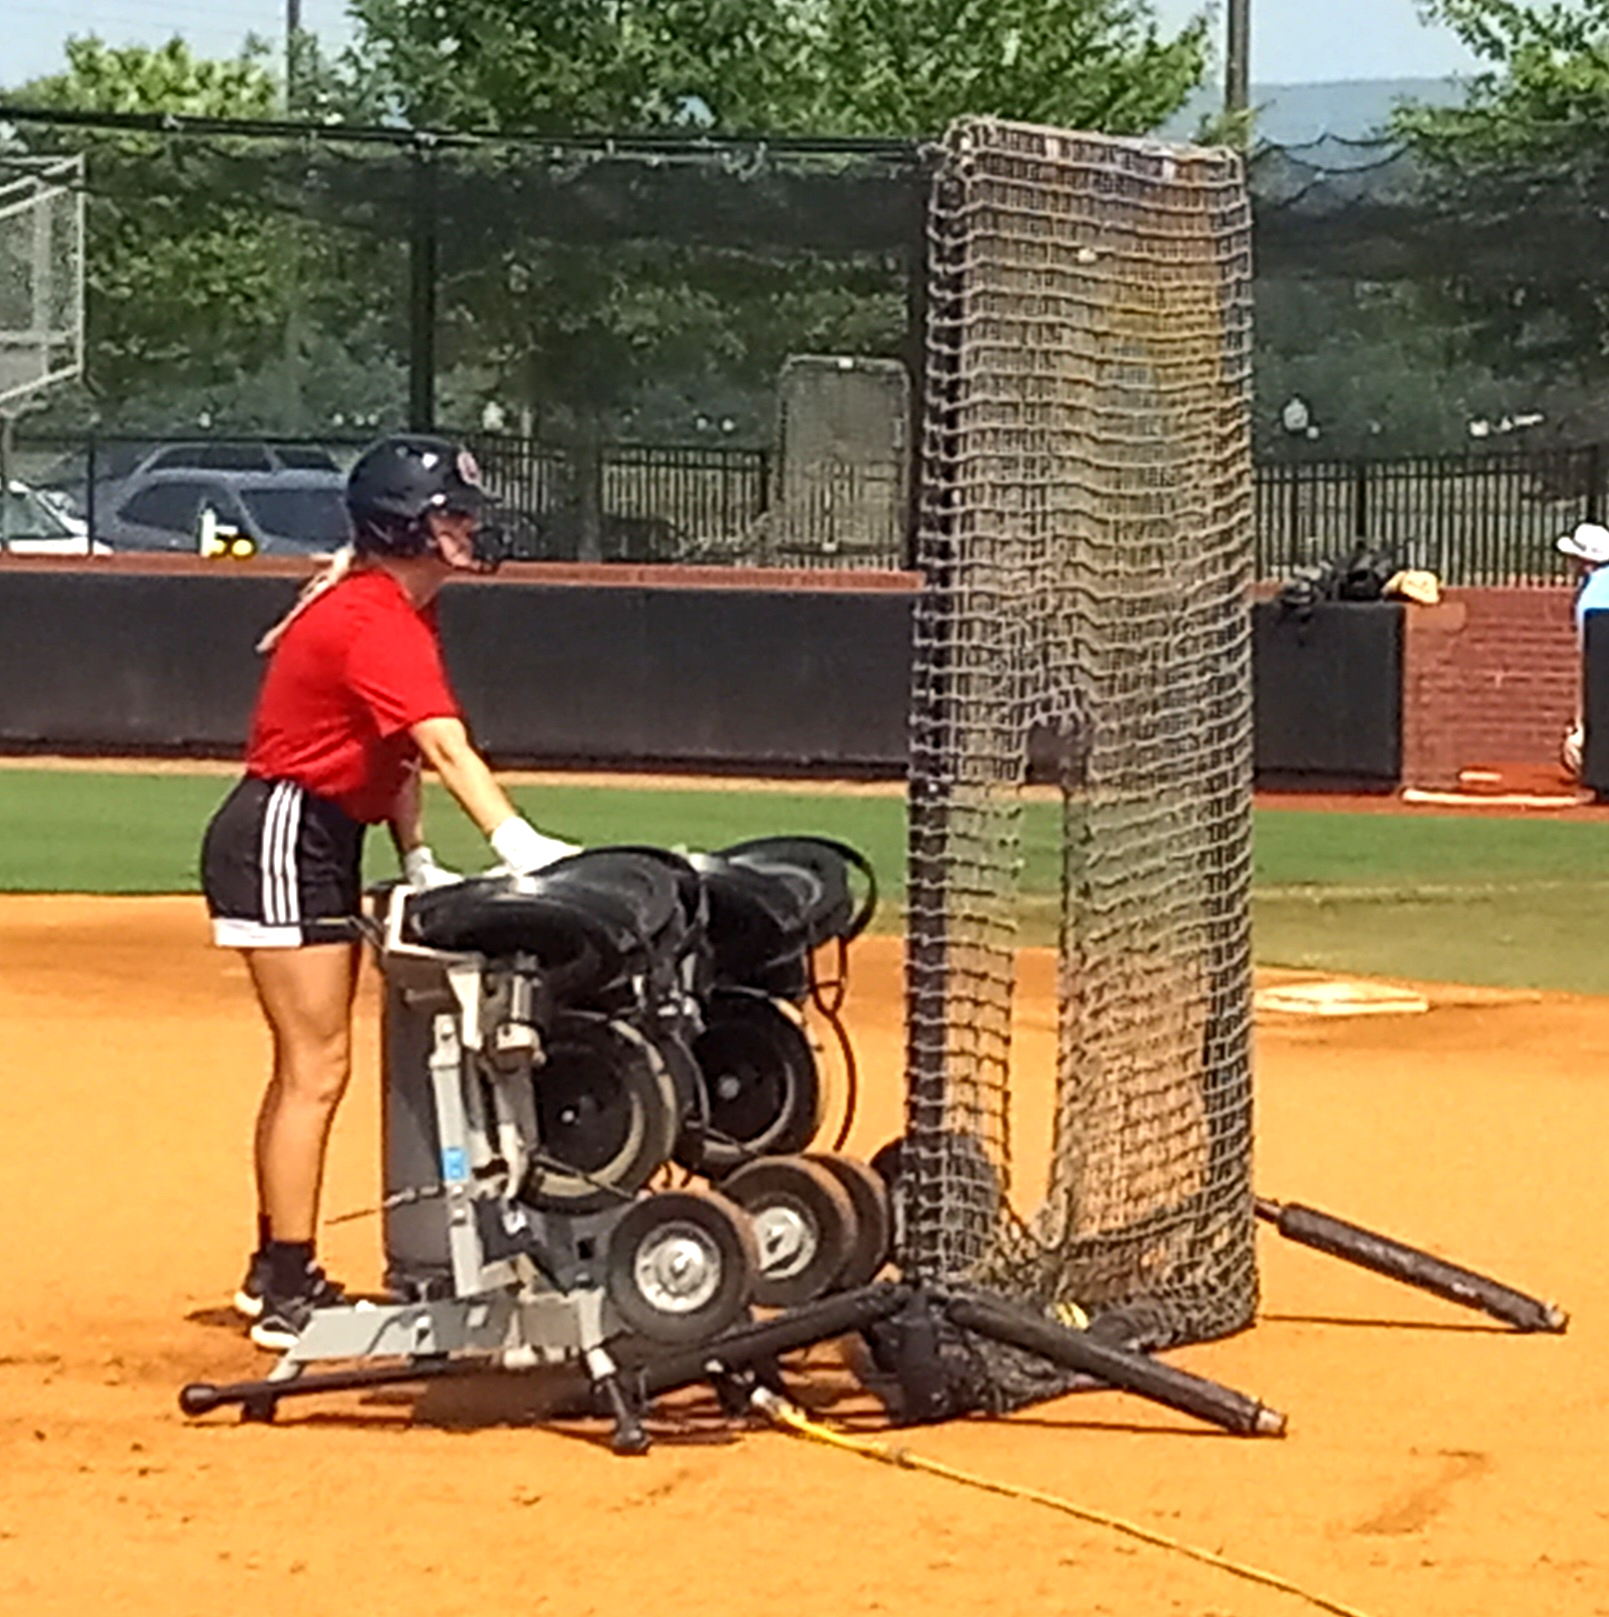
(381, 534)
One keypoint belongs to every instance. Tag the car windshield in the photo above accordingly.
(26, 516)
(310, 517)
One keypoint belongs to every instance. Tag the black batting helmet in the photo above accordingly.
(397, 482)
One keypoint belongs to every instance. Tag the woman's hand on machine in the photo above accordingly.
(523, 849)
(421, 872)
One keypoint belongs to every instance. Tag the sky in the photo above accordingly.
(1293, 41)
(36, 30)
(1320, 41)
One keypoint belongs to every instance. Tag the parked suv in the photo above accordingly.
(120, 461)
(284, 513)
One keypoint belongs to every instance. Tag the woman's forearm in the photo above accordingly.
(407, 817)
(446, 748)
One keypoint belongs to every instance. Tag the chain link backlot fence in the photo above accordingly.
(610, 321)
(660, 346)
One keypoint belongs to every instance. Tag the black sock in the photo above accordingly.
(288, 1263)
(265, 1232)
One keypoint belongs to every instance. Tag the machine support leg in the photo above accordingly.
(202, 1397)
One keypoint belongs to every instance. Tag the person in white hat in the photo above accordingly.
(1588, 544)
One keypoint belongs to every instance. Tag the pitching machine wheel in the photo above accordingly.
(682, 1266)
(804, 1224)
(606, 1116)
(688, 1082)
(763, 1094)
(874, 1216)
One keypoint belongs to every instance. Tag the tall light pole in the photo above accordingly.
(293, 27)
(1237, 71)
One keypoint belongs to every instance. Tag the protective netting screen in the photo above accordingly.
(1086, 535)
(843, 457)
(41, 276)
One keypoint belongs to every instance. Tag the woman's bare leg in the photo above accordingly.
(306, 995)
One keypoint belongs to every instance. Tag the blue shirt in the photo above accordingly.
(1593, 596)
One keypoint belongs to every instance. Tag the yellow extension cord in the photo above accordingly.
(791, 1418)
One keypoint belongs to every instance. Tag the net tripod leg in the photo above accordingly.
(909, 1347)
(1118, 1367)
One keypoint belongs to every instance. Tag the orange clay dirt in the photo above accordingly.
(1436, 1464)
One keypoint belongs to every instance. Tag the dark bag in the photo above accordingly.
(1365, 576)
(1307, 586)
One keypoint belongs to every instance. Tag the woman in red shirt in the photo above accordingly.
(354, 700)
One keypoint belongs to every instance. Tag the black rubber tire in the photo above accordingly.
(606, 1106)
(687, 1080)
(761, 1087)
(715, 1223)
(874, 1217)
(822, 1214)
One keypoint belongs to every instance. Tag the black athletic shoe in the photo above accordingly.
(284, 1318)
(254, 1288)
(282, 1321)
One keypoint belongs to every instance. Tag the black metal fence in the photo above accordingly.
(618, 503)
(629, 502)
(1488, 518)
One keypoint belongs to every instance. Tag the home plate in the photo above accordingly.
(1340, 999)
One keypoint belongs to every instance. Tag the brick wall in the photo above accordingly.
(1489, 678)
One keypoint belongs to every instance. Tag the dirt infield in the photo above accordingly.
(1436, 1466)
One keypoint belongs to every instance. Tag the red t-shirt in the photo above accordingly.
(344, 684)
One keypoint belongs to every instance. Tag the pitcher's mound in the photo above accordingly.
(1340, 999)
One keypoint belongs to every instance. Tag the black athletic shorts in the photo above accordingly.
(281, 868)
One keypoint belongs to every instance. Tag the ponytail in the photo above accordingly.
(321, 583)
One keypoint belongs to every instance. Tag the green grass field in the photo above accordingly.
(1508, 902)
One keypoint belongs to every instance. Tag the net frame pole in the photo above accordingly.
(929, 797)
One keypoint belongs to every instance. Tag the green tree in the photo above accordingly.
(210, 299)
(1516, 186)
(580, 337)
(862, 67)
(913, 67)
(1544, 90)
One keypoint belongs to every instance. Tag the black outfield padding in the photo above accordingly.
(1397, 1261)
(1328, 691)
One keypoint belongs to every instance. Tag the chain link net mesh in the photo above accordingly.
(41, 276)
(843, 458)
(1086, 534)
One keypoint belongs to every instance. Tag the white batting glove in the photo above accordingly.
(523, 848)
(420, 870)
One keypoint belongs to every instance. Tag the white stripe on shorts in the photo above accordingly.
(268, 843)
(234, 934)
(282, 825)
